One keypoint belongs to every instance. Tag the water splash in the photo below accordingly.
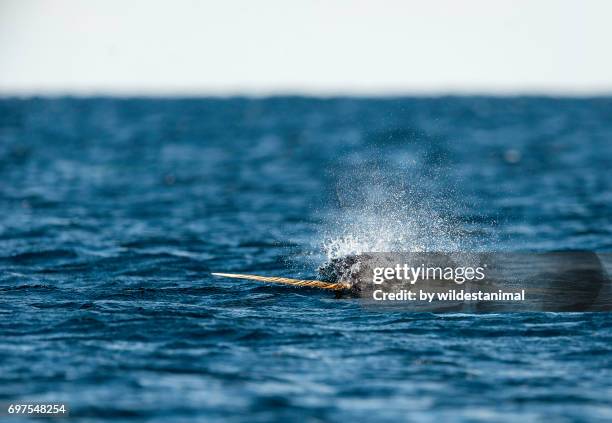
(390, 211)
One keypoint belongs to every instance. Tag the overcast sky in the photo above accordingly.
(314, 47)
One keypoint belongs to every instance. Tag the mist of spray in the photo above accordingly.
(385, 209)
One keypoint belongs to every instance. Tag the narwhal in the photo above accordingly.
(558, 281)
(339, 275)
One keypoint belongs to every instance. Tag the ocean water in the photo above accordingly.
(113, 213)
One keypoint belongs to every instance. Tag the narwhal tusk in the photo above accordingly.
(286, 281)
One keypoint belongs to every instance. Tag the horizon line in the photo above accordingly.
(324, 93)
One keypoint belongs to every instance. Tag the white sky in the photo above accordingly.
(314, 47)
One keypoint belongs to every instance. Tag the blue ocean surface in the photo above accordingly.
(113, 213)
